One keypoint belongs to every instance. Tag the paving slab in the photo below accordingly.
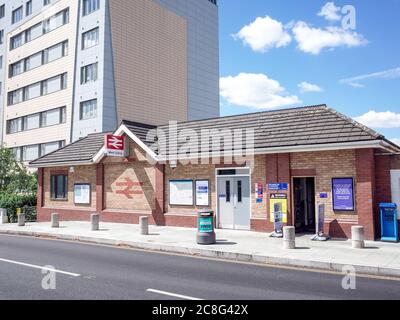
(378, 258)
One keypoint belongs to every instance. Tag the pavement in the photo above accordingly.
(378, 258)
(94, 272)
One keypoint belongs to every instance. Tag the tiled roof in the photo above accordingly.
(307, 126)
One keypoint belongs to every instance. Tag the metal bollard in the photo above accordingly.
(144, 225)
(55, 220)
(95, 221)
(21, 219)
(289, 238)
(357, 235)
(3, 216)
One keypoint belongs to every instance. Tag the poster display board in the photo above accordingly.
(202, 193)
(278, 200)
(343, 194)
(181, 192)
(82, 193)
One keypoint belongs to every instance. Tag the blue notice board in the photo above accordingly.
(278, 186)
(389, 225)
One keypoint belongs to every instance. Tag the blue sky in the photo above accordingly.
(278, 54)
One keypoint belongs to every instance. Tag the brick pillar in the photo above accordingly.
(383, 188)
(159, 192)
(99, 188)
(40, 191)
(365, 191)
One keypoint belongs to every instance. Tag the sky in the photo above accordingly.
(278, 54)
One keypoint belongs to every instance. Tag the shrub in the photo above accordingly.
(13, 201)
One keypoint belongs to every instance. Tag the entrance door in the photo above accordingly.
(395, 175)
(304, 204)
(234, 203)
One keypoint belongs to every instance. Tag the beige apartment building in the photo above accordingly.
(72, 68)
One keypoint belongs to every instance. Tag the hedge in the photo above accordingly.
(13, 201)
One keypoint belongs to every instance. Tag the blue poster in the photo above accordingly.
(343, 194)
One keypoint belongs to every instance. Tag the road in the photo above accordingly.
(98, 272)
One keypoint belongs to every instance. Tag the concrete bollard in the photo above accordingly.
(357, 235)
(55, 220)
(3, 216)
(95, 221)
(289, 238)
(144, 226)
(21, 219)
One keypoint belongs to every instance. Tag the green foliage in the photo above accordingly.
(13, 201)
(18, 187)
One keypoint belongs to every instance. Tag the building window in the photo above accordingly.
(59, 186)
(88, 109)
(1, 36)
(39, 29)
(90, 6)
(90, 38)
(28, 8)
(38, 89)
(1, 62)
(37, 120)
(89, 73)
(32, 152)
(2, 11)
(46, 2)
(17, 15)
(38, 59)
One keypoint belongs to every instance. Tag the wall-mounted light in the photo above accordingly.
(71, 169)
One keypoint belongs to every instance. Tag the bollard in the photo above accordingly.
(55, 220)
(357, 235)
(3, 216)
(289, 238)
(95, 221)
(144, 225)
(21, 219)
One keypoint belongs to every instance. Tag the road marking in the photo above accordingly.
(165, 293)
(39, 267)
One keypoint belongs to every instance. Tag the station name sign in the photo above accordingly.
(115, 146)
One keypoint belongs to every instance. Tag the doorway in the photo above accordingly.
(234, 203)
(304, 204)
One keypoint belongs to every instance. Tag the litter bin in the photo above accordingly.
(205, 227)
(389, 225)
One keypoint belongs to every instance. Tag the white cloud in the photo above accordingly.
(396, 141)
(330, 12)
(309, 87)
(387, 74)
(264, 34)
(375, 119)
(255, 91)
(314, 40)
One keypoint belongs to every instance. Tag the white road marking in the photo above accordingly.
(39, 267)
(165, 293)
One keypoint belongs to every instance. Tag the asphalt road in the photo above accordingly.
(100, 272)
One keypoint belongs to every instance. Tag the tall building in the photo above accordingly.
(71, 68)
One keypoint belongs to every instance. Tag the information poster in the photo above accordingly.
(343, 194)
(281, 201)
(202, 193)
(181, 193)
(82, 194)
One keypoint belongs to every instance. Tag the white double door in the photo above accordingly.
(395, 177)
(234, 203)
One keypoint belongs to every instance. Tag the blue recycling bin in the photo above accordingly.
(389, 225)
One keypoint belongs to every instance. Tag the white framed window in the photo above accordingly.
(89, 73)
(33, 61)
(32, 122)
(17, 15)
(30, 153)
(28, 8)
(90, 38)
(90, 6)
(88, 109)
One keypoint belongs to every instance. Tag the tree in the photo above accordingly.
(14, 177)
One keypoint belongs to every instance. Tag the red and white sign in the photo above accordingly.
(115, 146)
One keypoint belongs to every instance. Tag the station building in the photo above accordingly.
(301, 158)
